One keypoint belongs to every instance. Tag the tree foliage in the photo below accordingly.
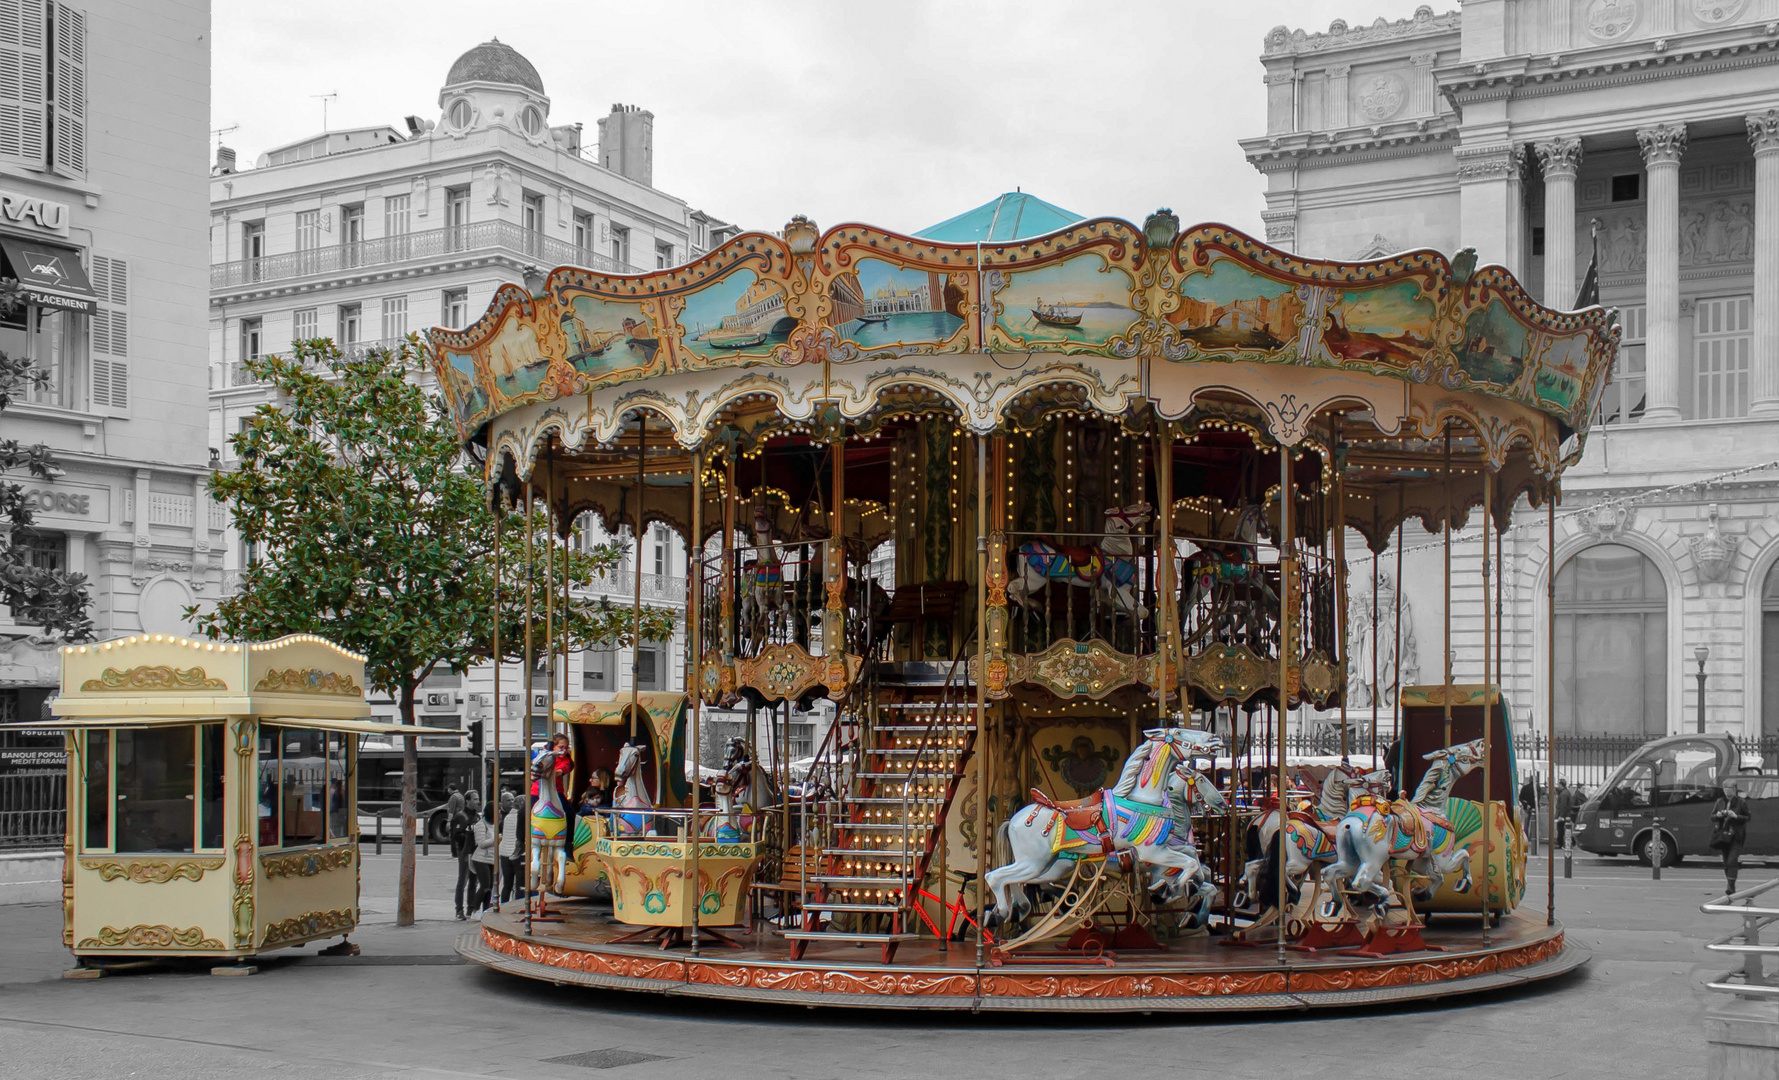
(55, 600)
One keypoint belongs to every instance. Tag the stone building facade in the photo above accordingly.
(1532, 131)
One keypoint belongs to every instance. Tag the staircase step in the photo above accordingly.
(907, 774)
(875, 853)
(836, 935)
(862, 909)
(883, 826)
(888, 881)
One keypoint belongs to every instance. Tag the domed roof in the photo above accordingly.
(496, 63)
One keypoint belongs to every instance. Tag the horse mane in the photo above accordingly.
(1133, 765)
(1334, 796)
(1436, 785)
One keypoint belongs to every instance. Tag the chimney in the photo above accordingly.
(627, 143)
(225, 160)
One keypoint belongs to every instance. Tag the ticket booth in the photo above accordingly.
(210, 795)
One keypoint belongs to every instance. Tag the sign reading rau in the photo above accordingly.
(21, 209)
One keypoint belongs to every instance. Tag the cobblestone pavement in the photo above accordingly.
(408, 1008)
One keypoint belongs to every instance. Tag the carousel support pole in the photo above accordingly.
(1488, 630)
(642, 424)
(500, 513)
(1164, 574)
(1288, 600)
(1396, 652)
(549, 561)
(1340, 581)
(567, 525)
(1550, 697)
(784, 779)
(982, 740)
(530, 580)
(695, 631)
(726, 587)
(1448, 585)
(1376, 690)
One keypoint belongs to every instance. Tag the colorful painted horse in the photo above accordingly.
(1311, 832)
(736, 799)
(1227, 574)
(762, 601)
(1147, 814)
(630, 794)
(549, 826)
(1378, 831)
(1109, 565)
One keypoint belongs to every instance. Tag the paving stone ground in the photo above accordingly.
(406, 1008)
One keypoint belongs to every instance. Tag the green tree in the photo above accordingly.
(39, 596)
(352, 489)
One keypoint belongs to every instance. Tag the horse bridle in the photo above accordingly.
(618, 779)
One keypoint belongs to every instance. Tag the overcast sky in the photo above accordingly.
(897, 114)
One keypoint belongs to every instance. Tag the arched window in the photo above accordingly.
(1611, 644)
(1769, 654)
(531, 121)
(460, 114)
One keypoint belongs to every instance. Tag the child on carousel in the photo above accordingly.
(559, 767)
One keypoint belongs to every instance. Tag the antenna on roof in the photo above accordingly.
(220, 132)
(325, 98)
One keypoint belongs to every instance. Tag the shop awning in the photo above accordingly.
(50, 274)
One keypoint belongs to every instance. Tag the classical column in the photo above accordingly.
(1763, 135)
(1561, 159)
(1335, 108)
(1662, 146)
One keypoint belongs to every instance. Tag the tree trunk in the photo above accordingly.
(404, 899)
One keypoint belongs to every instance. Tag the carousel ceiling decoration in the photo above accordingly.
(1113, 313)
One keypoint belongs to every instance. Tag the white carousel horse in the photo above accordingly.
(736, 797)
(1110, 565)
(1377, 831)
(1312, 840)
(629, 793)
(549, 825)
(1139, 815)
(762, 583)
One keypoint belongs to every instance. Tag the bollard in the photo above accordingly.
(1658, 851)
(425, 834)
(379, 832)
(1568, 850)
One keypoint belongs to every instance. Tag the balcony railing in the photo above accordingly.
(621, 583)
(503, 236)
(240, 376)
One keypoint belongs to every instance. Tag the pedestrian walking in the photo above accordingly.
(1529, 813)
(481, 861)
(457, 830)
(512, 825)
(1729, 828)
(1565, 811)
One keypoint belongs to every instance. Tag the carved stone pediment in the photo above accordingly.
(1607, 521)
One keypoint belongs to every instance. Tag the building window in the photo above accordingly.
(55, 341)
(305, 324)
(1611, 644)
(456, 309)
(395, 318)
(457, 218)
(397, 221)
(46, 551)
(351, 235)
(597, 666)
(1627, 187)
(459, 114)
(651, 666)
(308, 238)
(1769, 654)
(1721, 338)
(531, 120)
(1537, 241)
(43, 86)
(533, 221)
(110, 327)
(663, 256)
(620, 246)
(351, 318)
(252, 338)
(583, 236)
(253, 247)
(1623, 401)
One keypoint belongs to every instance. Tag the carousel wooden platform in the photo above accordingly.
(1194, 975)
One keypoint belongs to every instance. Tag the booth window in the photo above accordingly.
(156, 787)
(98, 790)
(211, 760)
(304, 795)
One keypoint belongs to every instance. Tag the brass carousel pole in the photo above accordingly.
(1164, 547)
(982, 741)
(1376, 690)
(530, 878)
(500, 513)
(1396, 651)
(694, 684)
(1288, 599)
(1340, 580)
(636, 600)
(1550, 698)
(1448, 586)
(1488, 485)
(549, 560)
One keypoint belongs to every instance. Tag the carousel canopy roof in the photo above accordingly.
(1012, 216)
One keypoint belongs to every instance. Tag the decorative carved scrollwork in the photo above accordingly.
(310, 924)
(152, 871)
(308, 863)
(153, 677)
(308, 681)
(143, 936)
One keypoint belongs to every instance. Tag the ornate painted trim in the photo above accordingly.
(310, 924)
(143, 936)
(1228, 672)
(153, 677)
(308, 681)
(309, 863)
(152, 871)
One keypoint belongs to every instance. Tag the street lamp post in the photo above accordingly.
(1701, 654)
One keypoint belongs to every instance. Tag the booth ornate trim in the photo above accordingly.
(309, 863)
(152, 677)
(144, 936)
(310, 924)
(152, 871)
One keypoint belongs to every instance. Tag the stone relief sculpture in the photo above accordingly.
(1361, 692)
(1711, 233)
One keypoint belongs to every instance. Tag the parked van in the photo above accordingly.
(1678, 780)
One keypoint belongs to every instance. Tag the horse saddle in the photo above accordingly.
(1079, 557)
(1081, 815)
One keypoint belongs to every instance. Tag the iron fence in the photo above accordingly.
(33, 809)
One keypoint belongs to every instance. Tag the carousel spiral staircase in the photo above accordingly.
(879, 847)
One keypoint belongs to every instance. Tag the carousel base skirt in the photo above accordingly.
(1192, 975)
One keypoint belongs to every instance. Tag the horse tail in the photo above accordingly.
(1003, 844)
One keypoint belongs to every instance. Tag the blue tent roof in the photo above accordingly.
(1012, 216)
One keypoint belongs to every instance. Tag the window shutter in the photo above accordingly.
(68, 155)
(111, 337)
(23, 67)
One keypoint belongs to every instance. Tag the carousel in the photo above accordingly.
(1061, 527)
